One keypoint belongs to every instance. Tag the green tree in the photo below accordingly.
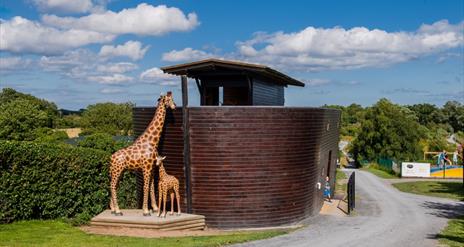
(436, 140)
(110, 118)
(353, 114)
(19, 119)
(427, 113)
(9, 95)
(454, 112)
(388, 130)
(69, 121)
(350, 118)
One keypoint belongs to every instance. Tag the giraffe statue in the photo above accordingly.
(141, 156)
(167, 183)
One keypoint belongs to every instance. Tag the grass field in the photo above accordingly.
(59, 233)
(452, 190)
(453, 234)
(379, 173)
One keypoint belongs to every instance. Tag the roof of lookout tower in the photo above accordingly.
(221, 68)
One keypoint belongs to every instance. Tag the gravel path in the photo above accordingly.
(385, 217)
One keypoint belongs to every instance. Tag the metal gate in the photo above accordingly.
(351, 193)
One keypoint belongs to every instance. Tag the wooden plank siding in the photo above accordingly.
(265, 93)
(253, 166)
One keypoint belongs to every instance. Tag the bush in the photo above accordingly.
(110, 118)
(49, 135)
(103, 142)
(69, 121)
(47, 181)
(19, 119)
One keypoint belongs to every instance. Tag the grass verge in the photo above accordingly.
(452, 190)
(341, 182)
(453, 234)
(379, 173)
(59, 233)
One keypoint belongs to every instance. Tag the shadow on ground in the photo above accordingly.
(445, 210)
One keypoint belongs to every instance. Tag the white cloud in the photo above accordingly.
(112, 90)
(117, 67)
(131, 49)
(157, 76)
(20, 35)
(111, 79)
(8, 64)
(358, 47)
(64, 6)
(76, 64)
(84, 65)
(187, 54)
(144, 19)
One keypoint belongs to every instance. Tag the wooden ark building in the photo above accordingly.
(242, 158)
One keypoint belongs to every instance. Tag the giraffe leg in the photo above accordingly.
(172, 203)
(146, 184)
(152, 195)
(160, 193)
(115, 174)
(111, 202)
(165, 194)
(178, 199)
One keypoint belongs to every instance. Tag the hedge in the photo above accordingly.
(48, 181)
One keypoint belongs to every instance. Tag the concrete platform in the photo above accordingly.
(133, 218)
(336, 208)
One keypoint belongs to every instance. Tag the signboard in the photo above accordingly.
(412, 169)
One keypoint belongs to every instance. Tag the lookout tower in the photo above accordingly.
(229, 83)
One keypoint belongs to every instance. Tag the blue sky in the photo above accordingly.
(81, 52)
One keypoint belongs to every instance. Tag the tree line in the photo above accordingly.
(401, 132)
(24, 117)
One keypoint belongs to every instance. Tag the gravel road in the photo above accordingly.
(384, 217)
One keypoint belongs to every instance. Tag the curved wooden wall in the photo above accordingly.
(255, 166)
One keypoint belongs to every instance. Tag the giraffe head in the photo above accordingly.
(159, 160)
(167, 101)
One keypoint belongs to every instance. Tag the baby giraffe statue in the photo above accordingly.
(167, 183)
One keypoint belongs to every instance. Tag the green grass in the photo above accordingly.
(379, 173)
(340, 175)
(453, 234)
(452, 190)
(59, 233)
(341, 183)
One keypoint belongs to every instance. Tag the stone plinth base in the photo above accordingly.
(133, 218)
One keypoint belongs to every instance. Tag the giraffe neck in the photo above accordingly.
(154, 129)
(162, 172)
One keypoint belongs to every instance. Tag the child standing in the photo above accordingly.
(327, 189)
